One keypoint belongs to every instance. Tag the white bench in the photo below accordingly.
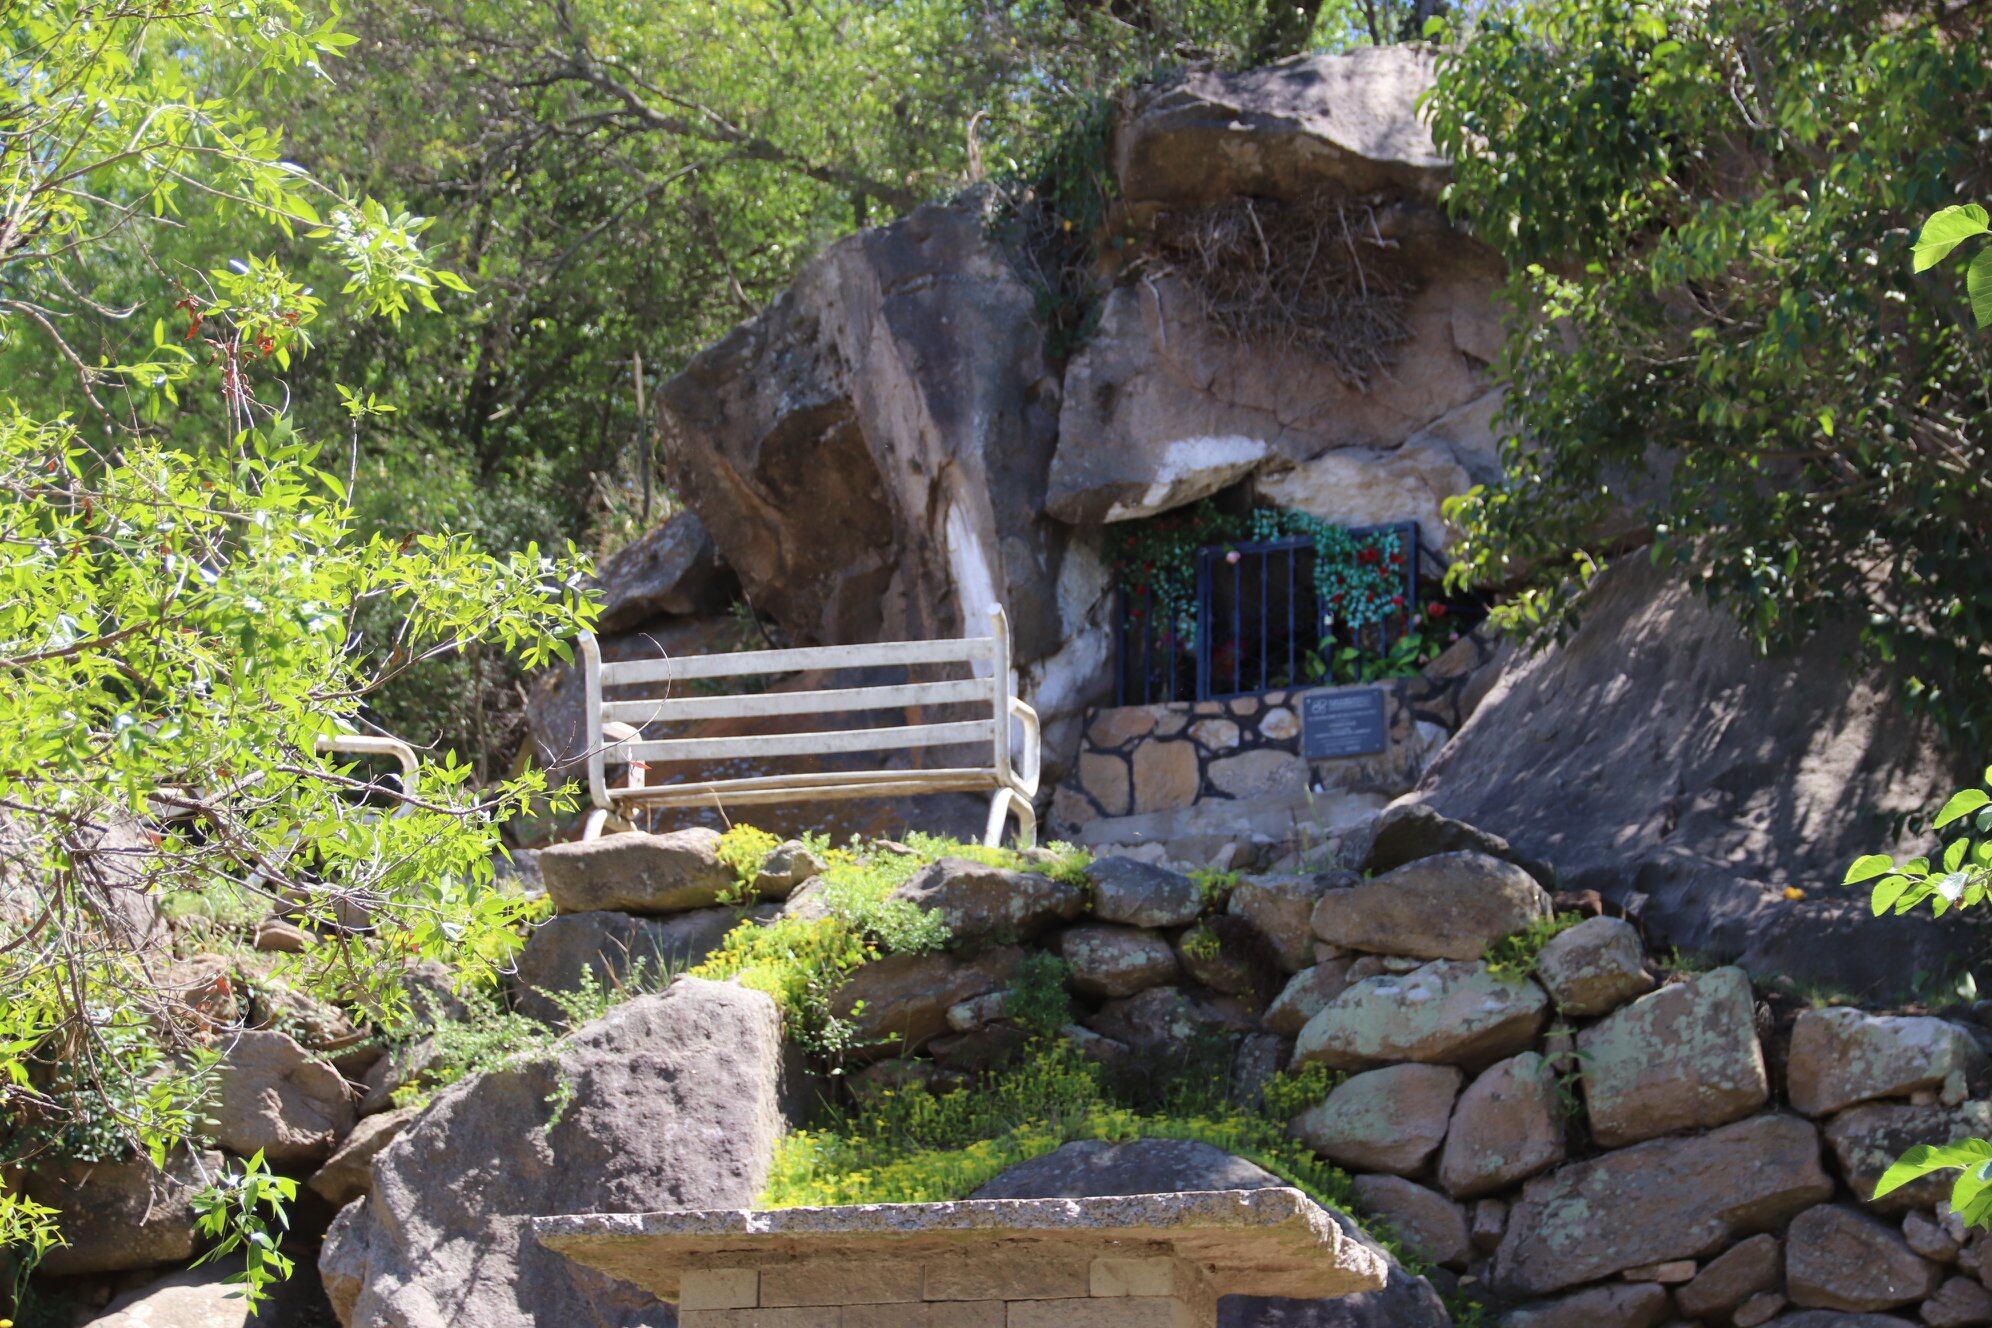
(614, 732)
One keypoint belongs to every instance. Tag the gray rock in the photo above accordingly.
(1280, 907)
(1685, 1057)
(418, 1063)
(1162, 1021)
(787, 866)
(1144, 1166)
(1109, 960)
(668, 1101)
(272, 1097)
(1843, 1056)
(1284, 130)
(1449, 906)
(610, 946)
(191, 1298)
(673, 570)
(1961, 1302)
(1658, 752)
(1866, 1140)
(1668, 1199)
(982, 904)
(900, 1003)
(1507, 1126)
(1158, 1166)
(348, 1173)
(1444, 1012)
(1305, 994)
(897, 388)
(1626, 1305)
(1743, 1270)
(1840, 1259)
(1392, 1119)
(637, 873)
(1140, 894)
(1593, 968)
(1431, 1226)
(1406, 831)
(117, 1216)
(1229, 955)
(1833, 1319)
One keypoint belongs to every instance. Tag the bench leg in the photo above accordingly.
(592, 827)
(1000, 805)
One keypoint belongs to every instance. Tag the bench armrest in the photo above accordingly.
(1030, 758)
(615, 734)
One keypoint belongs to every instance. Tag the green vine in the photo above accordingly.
(1359, 578)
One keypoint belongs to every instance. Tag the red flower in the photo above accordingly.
(1436, 610)
(1397, 601)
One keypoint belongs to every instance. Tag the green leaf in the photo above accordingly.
(1978, 286)
(1946, 230)
(1962, 803)
(1867, 867)
(1924, 1159)
(1887, 892)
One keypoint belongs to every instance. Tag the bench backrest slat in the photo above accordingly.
(746, 662)
(825, 702)
(810, 744)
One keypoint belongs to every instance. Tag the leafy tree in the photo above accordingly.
(1718, 342)
(186, 607)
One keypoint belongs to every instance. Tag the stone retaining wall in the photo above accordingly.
(1139, 760)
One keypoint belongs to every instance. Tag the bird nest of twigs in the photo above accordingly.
(1315, 275)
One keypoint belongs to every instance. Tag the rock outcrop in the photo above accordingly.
(669, 1101)
(1654, 758)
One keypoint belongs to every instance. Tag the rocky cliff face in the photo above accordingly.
(889, 447)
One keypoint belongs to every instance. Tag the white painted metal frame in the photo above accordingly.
(615, 734)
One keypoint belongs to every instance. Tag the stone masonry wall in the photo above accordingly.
(1592, 1136)
(1135, 760)
(1032, 1288)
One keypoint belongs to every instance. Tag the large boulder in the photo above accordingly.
(191, 1298)
(1866, 1140)
(669, 1101)
(1106, 960)
(1305, 994)
(117, 1216)
(1622, 1305)
(981, 904)
(870, 452)
(1284, 131)
(348, 1173)
(1668, 1199)
(1445, 1013)
(1594, 967)
(274, 1098)
(1841, 1056)
(1280, 908)
(608, 947)
(634, 872)
(1449, 906)
(1431, 1226)
(1839, 1259)
(673, 570)
(1685, 1057)
(1656, 758)
(1140, 894)
(1159, 1166)
(1506, 1127)
(1392, 1119)
(900, 1003)
(1158, 1024)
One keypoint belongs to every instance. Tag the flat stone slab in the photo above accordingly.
(1272, 1242)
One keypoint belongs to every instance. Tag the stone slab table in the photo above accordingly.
(1130, 1261)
